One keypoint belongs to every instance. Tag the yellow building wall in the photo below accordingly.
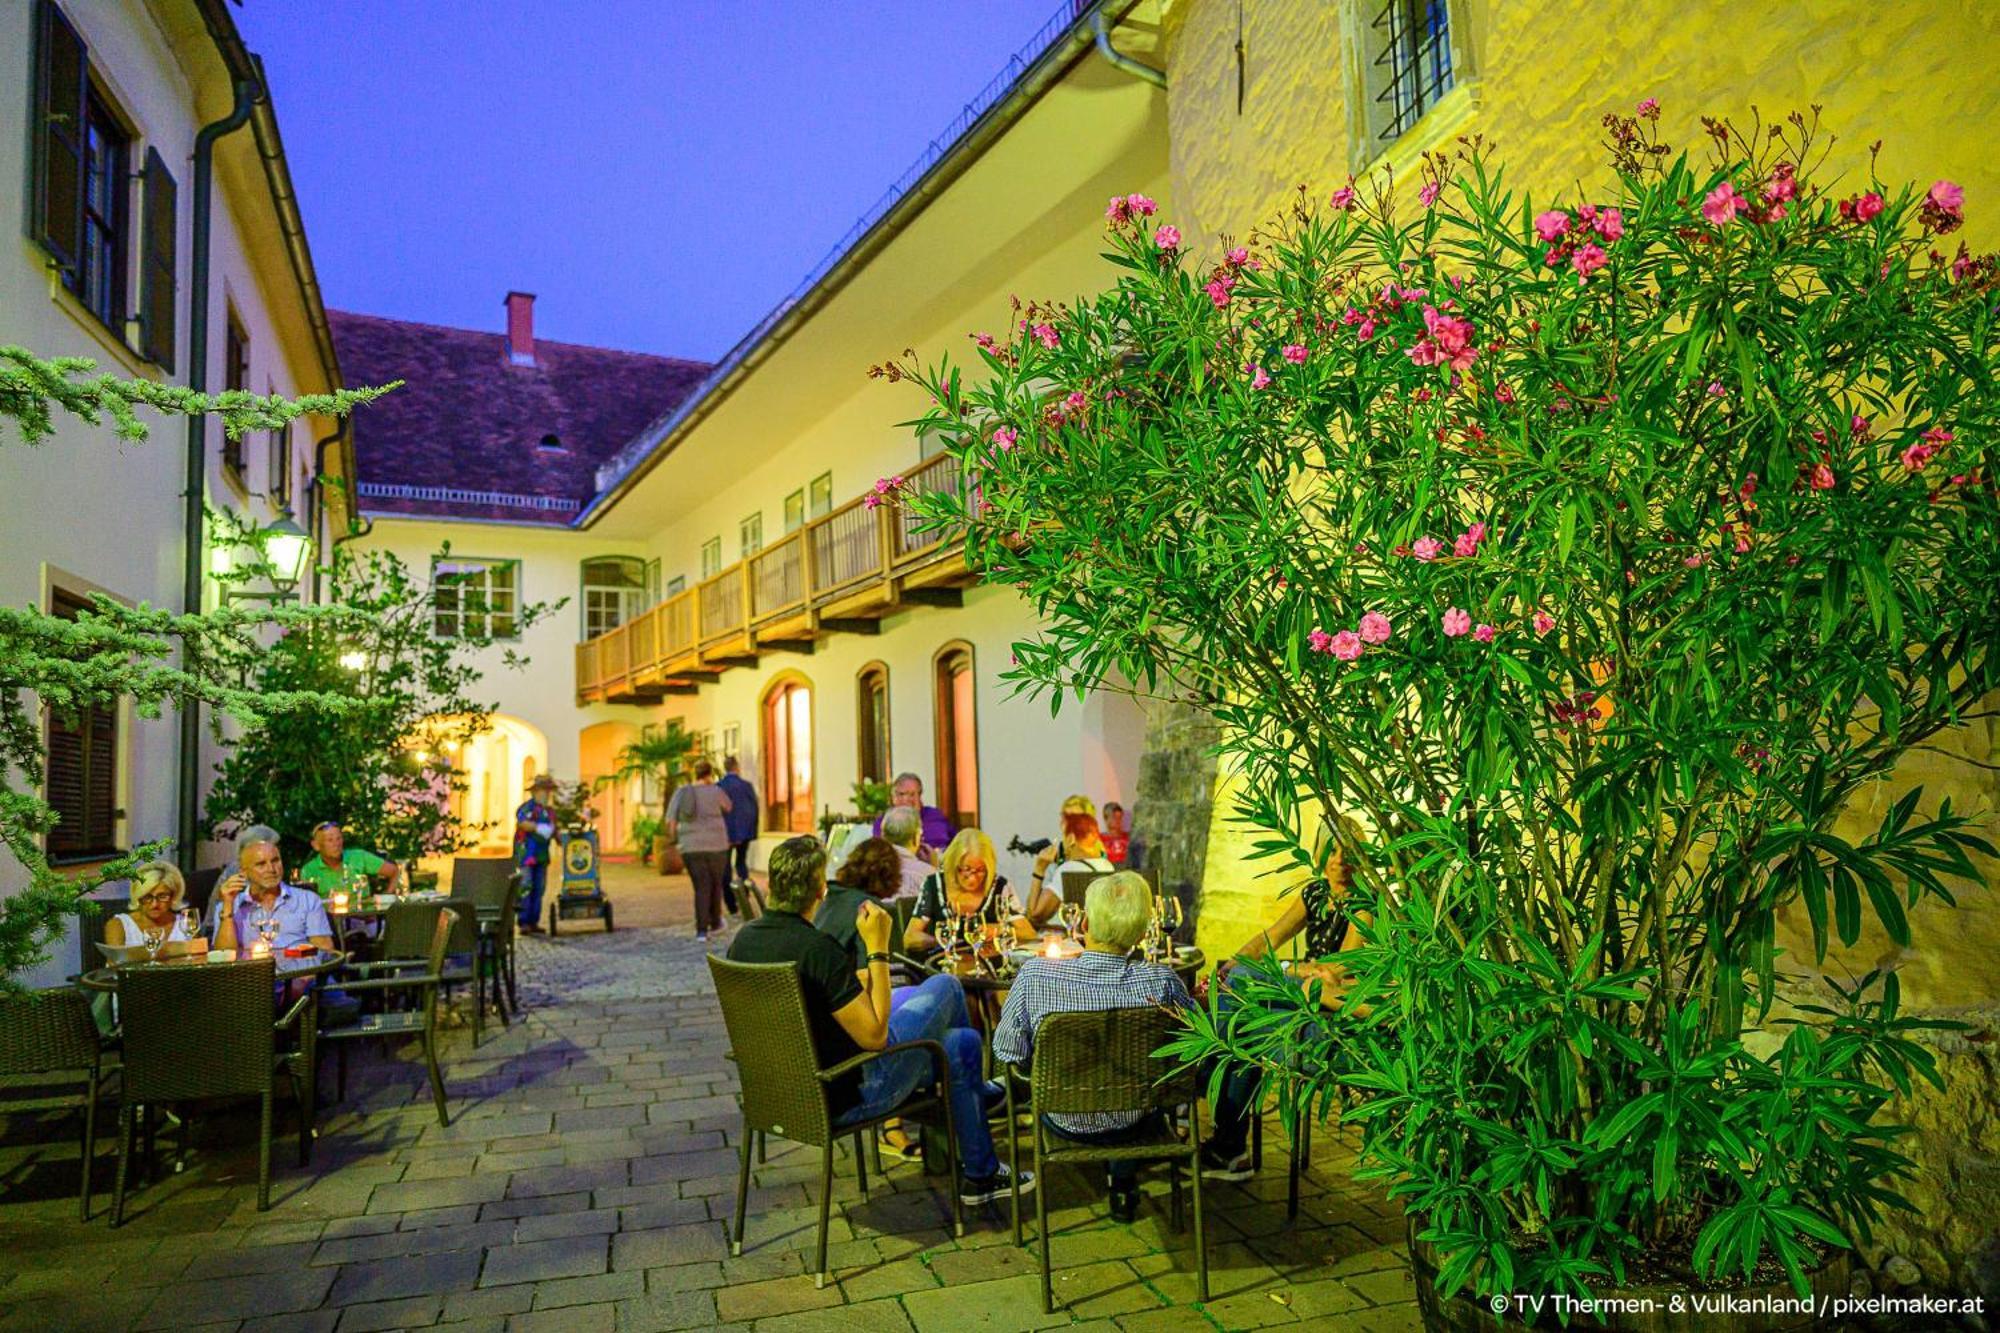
(1535, 81)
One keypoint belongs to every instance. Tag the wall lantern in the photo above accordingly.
(283, 550)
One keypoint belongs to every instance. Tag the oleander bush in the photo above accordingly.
(1596, 554)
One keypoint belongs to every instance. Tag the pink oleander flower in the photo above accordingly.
(1695, 561)
(1859, 427)
(1118, 212)
(1346, 645)
(1544, 622)
(1364, 330)
(1141, 205)
(1045, 334)
(1167, 237)
(1722, 204)
(1447, 341)
(1468, 541)
(1238, 257)
(1589, 258)
(1456, 623)
(1650, 108)
(1218, 290)
(985, 340)
(1949, 195)
(1610, 224)
(1917, 455)
(1428, 195)
(1821, 477)
(1076, 401)
(1376, 628)
(884, 488)
(1004, 438)
(1295, 353)
(1426, 549)
(1867, 207)
(1343, 198)
(1551, 224)
(1715, 389)
(1939, 436)
(1258, 379)
(1320, 641)
(1483, 632)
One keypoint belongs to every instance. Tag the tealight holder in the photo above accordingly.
(260, 949)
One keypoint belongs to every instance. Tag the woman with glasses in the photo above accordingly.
(157, 914)
(967, 888)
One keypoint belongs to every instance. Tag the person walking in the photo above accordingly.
(698, 818)
(742, 825)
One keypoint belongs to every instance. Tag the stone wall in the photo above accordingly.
(1170, 818)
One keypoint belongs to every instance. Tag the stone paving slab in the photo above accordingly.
(587, 1182)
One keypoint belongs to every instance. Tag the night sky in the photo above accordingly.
(659, 174)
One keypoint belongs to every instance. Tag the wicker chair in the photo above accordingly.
(784, 1091)
(406, 943)
(1102, 1060)
(398, 975)
(201, 1033)
(52, 1059)
(498, 902)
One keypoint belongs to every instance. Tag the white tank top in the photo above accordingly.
(136, 933)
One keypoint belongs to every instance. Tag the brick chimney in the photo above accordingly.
(521, 328)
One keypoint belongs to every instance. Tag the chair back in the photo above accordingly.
(464, 924)
(201, 887)
(407, 928)
(1076, 881)
(764, 1009)
(198, 1029)
(42, 1032)
(441, 939)
(483, 879)
(1102, 1060)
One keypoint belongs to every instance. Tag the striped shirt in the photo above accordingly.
(1091, 981)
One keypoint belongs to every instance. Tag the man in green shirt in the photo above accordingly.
(334, 864)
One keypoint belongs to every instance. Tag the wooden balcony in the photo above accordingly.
(841, 573)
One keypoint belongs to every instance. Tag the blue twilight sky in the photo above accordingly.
(660, 173)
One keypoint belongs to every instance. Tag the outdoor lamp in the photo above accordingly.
(287, 547)
(354, 659)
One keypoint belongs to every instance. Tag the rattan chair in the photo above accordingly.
(398, 976)
(199, 1033)
(784, 1091)
(406, 944)
(498, 902)
(481, 878)
(1102, 1060)
(52, 1059)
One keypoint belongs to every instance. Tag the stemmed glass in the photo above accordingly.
(155, 937)
(1072, 918)
(949, 929)
(190, 922)
(1170, 920)
(267, 929)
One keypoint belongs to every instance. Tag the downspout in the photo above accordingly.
(197, 450)
(318, 500)
(1118, 60)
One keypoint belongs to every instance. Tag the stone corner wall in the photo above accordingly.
(1170, 816)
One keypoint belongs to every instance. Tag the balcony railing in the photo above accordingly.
(856, 560)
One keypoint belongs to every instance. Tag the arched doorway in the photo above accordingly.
(619, 804)
(496, 767)
(956, 727)
(787, 734)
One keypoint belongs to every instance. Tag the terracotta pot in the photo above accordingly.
(667, 857)
(1751, 1308)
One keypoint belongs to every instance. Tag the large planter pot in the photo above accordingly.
(1642, 1308)
(667, 857)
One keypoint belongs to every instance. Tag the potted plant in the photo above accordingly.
(1594, 556)
(645, 829)
(660, 755)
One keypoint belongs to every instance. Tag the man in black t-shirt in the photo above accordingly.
(850, 1013)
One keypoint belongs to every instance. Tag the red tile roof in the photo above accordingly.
(470, 422)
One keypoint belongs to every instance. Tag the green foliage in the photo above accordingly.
(870, 798)
(572, 808)
(382, 763)
(115, 652)
(660, 755)
(1680, 527)
(644, 829)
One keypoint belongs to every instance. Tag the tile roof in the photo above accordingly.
(470, 422)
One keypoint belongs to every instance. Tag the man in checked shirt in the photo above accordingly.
(1117, 909)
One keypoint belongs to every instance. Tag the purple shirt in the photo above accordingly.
(937, 829)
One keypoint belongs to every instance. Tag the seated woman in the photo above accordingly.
(872, 873)
(968, 884)
(158, 895)
(1320, 910)
(1080, 848)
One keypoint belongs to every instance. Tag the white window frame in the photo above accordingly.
(500, 607)
(750, 535)
(711, 558)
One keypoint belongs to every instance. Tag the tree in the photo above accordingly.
(659, 755)
(382, 764)
(1595, 556)
(113, 651)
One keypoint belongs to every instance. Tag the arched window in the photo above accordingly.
(614, 590)
(872, 722)
(957, 730)
(787, 750)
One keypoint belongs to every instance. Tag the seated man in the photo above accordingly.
(851, 1014)
(1117, 909)
(257, 893)
(907, 792)
(903, 829)
(335, 865)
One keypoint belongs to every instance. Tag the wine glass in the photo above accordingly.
(1171, 917)
(190, 922)
(154, 937)
(947, 935)
(267, 929)
(1072, 918)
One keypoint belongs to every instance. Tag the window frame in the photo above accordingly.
(869, 735)
(711, 557)
(676, 585)
(634, 594)
(750, 535)
(92, 747)
(108, 300)
(488, 564)
(774, 815)
(819, 498)
(235, 376)
(946, 742)
(278, 461)
(795, 511)
(1443, 109)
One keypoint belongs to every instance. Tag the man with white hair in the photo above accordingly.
(1117, 909)
(907, 793)
(903, 829)
(257, 895)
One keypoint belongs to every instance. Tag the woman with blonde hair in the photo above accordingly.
(158, 894)
(968, 885)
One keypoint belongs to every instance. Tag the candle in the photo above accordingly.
(261, 949)
(340, 900)
(1052, 951)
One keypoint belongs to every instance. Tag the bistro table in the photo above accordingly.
(316, 964)
(988, 975)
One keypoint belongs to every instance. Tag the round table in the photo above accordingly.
(986, 984)
(316, 964)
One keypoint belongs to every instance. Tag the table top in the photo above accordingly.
(998, 973)
(289, 969)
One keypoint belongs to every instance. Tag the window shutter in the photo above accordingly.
(158, 236)
(56, 186)
(82, 771)
(65, 787)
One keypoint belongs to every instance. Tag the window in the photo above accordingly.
(711, 557)
(235, 375)
(99, 279)
(872, 722)
(957, 730)
(614, 590)
(788, 792)
(475, 599)
(278, 464)
(732, 741)
(1407, 64)
(82, 770)
(750, 534)
(677, 585)
(822, 495)
(795, 511)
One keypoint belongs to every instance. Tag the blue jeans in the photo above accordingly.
(934, 1011)
(1124, 1171)
(533, 879)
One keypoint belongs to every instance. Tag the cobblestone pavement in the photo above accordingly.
(584, 1182)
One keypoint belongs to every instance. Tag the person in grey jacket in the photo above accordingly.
(698, 818)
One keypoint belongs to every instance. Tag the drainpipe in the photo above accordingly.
(318, 499)
(197, 449)
(1118, 60)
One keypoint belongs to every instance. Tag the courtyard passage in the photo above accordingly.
(584, 1182)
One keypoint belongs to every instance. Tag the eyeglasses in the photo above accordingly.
(161, 897)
